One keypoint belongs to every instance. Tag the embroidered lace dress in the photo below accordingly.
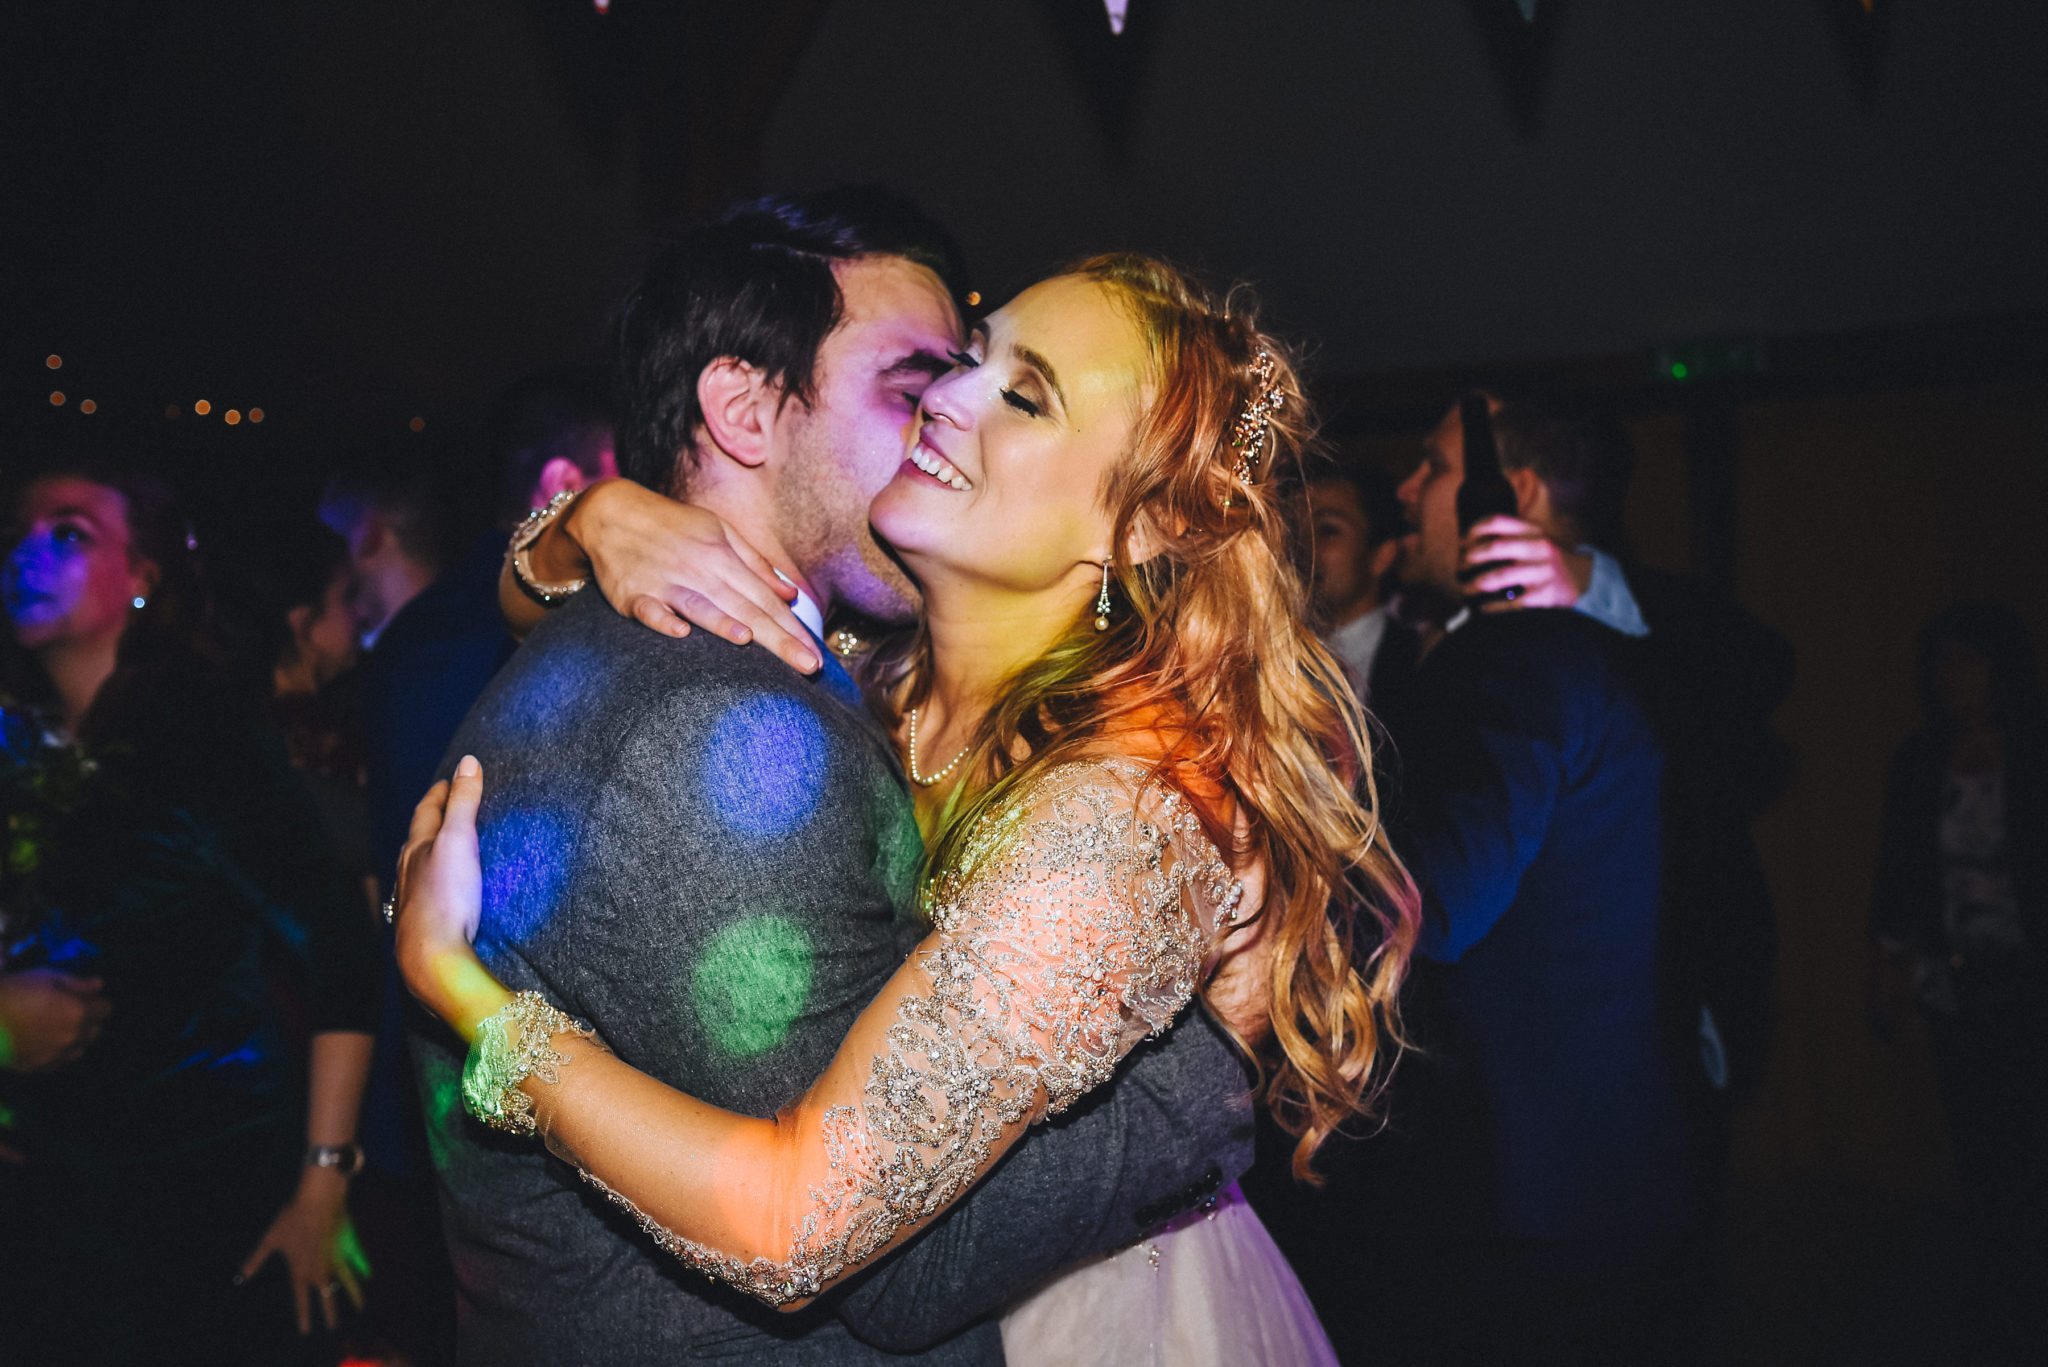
(1078, 922)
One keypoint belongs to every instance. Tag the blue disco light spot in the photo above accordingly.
(535, 692)
(764, 766)
(526, 853)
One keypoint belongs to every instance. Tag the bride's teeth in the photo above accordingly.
(938, 467)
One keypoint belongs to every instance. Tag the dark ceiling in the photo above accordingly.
(354, 214)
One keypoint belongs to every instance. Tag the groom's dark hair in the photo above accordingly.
(1582, 454)
(753, 282)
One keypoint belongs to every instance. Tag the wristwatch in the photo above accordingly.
(347, 1159)
(523, 537)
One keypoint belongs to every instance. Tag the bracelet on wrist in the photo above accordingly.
(519, 549)
(512, 1044)
(346, 1159)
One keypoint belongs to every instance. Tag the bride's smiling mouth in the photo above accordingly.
(936, 467)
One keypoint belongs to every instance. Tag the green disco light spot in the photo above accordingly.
(1679, 370)
(443, 1106)
(750, 983)
(899, 847)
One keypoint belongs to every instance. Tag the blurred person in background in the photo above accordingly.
(428, 600)
(181, 1176)
(388, 506)
(309, 633)
(550, 434)
(1710, 675)
(1958, 924)
(1355, 526)
(1536, 1175)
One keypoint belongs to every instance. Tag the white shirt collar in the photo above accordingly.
(1357, 643)
(808, 613)
(1367, 626)
(805, 608)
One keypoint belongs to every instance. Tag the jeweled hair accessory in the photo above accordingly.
(1254, 425)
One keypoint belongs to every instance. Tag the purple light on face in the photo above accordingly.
(764, 766)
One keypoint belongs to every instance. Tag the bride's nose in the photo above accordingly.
(945, 399)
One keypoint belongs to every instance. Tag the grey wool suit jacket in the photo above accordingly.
(711, 859)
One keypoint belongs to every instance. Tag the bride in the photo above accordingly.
(1109, 701)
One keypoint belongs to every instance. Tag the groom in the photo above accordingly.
(711, 858)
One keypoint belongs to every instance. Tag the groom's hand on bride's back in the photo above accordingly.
(1239, 991)
(670, 565)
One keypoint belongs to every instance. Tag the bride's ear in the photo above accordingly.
(739, 407)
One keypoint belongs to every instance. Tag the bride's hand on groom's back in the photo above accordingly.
(668, 565)
(439, 901)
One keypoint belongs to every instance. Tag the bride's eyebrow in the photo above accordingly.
(1044, 368)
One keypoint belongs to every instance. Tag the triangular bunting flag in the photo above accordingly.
(1862, 29)
(1518, 39)
(1110, 66)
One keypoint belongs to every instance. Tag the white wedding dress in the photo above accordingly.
(1209, 1289)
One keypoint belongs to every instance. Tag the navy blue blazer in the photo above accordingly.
(1546, 1105)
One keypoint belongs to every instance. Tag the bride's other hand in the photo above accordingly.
(439, 901)
(667, 565)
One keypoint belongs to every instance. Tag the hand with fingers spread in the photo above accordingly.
(48, 1018)
(1505, 555)
(313, 1235)
(439, 902)
(668, 565)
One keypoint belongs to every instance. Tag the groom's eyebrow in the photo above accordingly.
(919, 362)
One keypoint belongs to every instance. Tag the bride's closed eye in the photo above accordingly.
(967, 360)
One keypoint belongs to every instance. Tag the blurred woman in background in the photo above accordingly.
(307, 626)
(182, 1177)
(1959, 924)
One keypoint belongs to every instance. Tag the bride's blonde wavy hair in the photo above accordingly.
(1208, 649)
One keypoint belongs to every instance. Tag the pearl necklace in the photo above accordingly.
(927, 780)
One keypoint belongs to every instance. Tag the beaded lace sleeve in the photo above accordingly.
(1078, 922)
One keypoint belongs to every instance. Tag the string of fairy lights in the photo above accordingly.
(199, 408)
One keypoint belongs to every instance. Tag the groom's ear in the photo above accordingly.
(739, 407)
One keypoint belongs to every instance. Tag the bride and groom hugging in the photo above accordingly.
(689, 888)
